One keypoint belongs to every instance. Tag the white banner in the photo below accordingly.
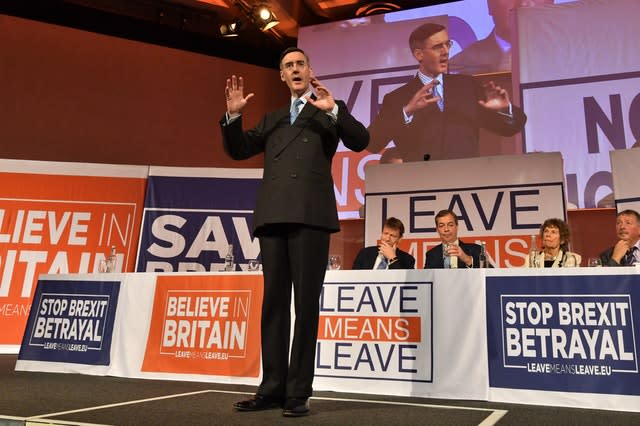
(501, 200)
(580, 87)
(626, 178)
(400, 333)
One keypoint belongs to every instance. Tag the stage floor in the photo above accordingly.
(28, 398)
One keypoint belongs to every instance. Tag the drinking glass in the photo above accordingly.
(445, 250)
(335, 262)
(445, 254)
(594, 261)
(253, 265)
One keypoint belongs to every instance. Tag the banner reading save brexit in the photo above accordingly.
(564, 333)
(192, 215)
(61, 218)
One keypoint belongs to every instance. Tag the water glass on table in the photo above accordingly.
(253, 265)
(594, 261)
(335, 262)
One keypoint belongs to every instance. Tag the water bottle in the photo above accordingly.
(229, 264)
(533, 252)
(111, 261)
(482, 258)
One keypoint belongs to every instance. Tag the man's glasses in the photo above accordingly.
(441, 46)
(290, 65)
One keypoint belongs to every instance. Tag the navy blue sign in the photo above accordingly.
(189, 223)
(71, 321)
(564, 333)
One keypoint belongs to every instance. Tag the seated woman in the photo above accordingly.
(554, 235)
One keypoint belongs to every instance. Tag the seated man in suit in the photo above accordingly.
(457, 254)
(386, 255)
(626, 251)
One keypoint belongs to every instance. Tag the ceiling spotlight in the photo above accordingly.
(377, 7)
(264, 17)
(230, 30)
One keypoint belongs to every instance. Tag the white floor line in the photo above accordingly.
(493, 418)
(410, 404)
(119, 404)
(47, 422)
(52, 422)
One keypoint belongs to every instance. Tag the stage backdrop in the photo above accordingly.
(580, 87)
(192, 215)
(625, 168)
(61, 218)
(500, 200)
(380, 61)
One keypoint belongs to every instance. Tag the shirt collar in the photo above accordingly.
(303, 98)
(426, 79)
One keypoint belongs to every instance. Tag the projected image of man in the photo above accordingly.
(438, 115)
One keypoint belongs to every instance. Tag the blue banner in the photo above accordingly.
(564, 333)
(189, 222)
(71, 321)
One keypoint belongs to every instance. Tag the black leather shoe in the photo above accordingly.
(296, 407)
(258, 403)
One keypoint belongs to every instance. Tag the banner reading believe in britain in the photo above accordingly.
(61, 218)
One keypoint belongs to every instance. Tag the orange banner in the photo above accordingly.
(502, 251)
(205, 325)
(348, 177)
(52, 224)
(372, 329)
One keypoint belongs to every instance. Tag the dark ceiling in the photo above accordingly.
(194, 25)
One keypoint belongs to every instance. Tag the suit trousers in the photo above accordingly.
(291, 254)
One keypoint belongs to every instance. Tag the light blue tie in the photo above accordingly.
(383, 263)
(438, 92)
(295, 109)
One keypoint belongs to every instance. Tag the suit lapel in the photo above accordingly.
(294, 130)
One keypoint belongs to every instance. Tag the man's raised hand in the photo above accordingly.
(234, 94)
